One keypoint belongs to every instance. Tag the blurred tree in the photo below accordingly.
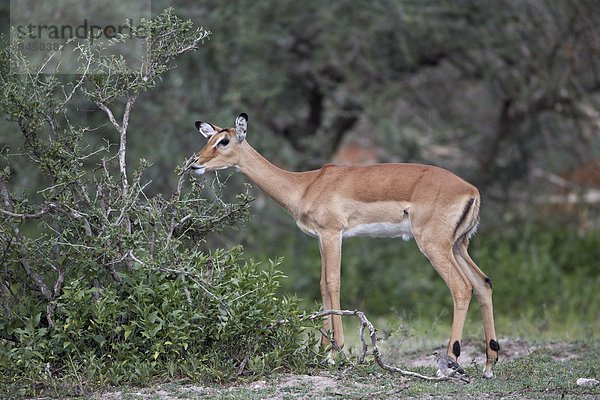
(491, 89)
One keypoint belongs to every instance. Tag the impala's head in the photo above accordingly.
(222, 149)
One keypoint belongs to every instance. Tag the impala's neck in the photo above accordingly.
(282, 186)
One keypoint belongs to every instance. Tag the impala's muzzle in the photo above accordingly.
(198, 169)
(193, 166)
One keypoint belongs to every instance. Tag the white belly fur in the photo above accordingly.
(381, 229)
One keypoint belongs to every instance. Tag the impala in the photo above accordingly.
(430, 204)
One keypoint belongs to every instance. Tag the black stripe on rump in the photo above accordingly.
(463, 217)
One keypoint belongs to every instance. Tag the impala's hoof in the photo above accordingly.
(488, 374)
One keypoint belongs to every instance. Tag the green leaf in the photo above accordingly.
(36, 319)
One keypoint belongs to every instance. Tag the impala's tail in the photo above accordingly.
(468, 222)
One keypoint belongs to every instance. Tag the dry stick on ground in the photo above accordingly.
(365, 323)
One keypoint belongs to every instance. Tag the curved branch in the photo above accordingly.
(365, 323)
(38, 214)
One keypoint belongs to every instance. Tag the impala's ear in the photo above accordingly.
(206, 129)
(241, 126)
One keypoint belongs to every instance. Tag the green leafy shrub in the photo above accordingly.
(214, 320)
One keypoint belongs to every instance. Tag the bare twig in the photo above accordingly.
(365, 323)
(80, 81)
(47, 207)
(58, 284)
(122, 145)
(110, 115)
(176, 197)
(123, 140)
(35, 215)
(60, 280)
(122, 130)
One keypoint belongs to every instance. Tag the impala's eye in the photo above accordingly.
(223, 142)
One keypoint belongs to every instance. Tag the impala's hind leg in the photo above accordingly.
(444, 262)
(482, 287)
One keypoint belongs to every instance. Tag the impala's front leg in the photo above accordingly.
(326, 306)
(330, 245)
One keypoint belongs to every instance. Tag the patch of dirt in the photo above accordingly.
(163, 392)
(296, 386)
(303, 380)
